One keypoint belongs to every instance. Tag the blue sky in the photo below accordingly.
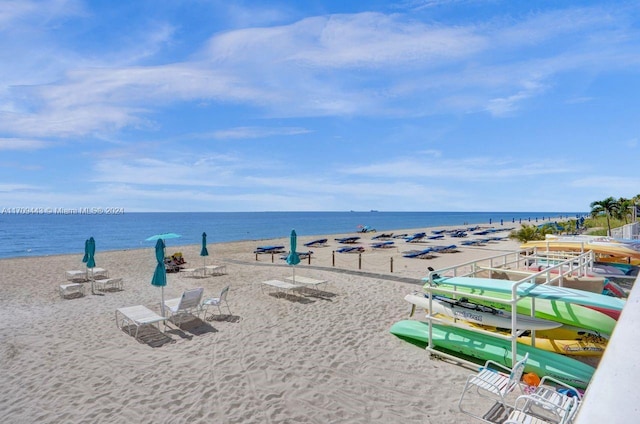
(206, 105)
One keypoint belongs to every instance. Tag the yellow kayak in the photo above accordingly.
(568, 340)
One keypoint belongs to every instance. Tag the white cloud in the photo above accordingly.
(21, 144)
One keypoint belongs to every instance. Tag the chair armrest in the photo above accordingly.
(503, 368)
(546, 378)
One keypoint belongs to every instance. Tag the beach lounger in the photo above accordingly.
(422, 254)
(301, 255)
(317, 243)
(306, 281)
(494, 381)
(269, 249)
(72, 289)
(193, 272)
(138, 316)
(382, 236)
(108, 284)
(215, 270)
(355, 249)
(187, 305)
(281, 286)
(76, 275)
(347, 240)
(417, 237)
(383, 245)
(98, 272)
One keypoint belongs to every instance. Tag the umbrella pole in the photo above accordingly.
(294, 274)
(162, 300)
(92, 279)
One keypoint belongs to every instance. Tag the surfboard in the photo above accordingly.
(479, 314)
(484, 347)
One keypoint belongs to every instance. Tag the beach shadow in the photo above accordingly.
(149, 335)
(224, 318)
(319, 294)
(193, 327)
(75, 295)
(291, 297)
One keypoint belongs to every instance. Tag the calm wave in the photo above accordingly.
(42, 234)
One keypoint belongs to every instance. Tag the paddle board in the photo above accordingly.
(484, 347)
(616, 249)
(479, 314)
(559, 309)
(565, 339)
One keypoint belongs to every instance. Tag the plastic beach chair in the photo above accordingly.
(494, 381)
(216, 301)
(186, 305)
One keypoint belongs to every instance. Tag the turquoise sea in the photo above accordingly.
(39, 233)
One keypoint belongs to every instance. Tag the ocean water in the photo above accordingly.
(38, 234)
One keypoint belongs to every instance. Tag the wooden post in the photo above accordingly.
(392, 264)
(256, 256)
(309, 258)
(271, 257)
(359, 260)
(333, 258)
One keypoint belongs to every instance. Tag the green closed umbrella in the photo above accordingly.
(85, 258)
(90, 247)
(293, 259)
(160, 275)
(204, 252)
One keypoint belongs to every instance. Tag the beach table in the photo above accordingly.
(306, 281)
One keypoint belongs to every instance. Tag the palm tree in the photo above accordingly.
(529, 232)
(623, 209)
(607, 207)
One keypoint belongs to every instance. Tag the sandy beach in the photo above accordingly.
(325, 356)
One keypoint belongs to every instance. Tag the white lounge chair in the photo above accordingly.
(216, 301)
(138, 316)
(215, 270)
(109, 284)
(547, 398)
(532, 409)
(184, 306)
(76, 275)
(281, 285)
(71, 289)
(494, 381)
(307, 281)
